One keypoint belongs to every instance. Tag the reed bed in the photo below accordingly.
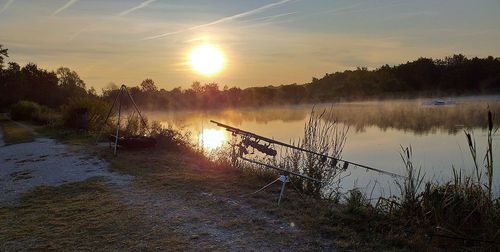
(325, 136)
(463, 209)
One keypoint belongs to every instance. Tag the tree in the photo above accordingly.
(68, 78)
(3, 53)
(70, 83)
(148, 85)
(91, 91)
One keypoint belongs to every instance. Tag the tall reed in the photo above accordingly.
(489, 153)
(324, 135)
(411, 185)
(488, 157)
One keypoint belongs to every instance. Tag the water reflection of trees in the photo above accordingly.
(409, 116)
(414, 116)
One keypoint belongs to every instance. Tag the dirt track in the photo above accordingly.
(46, 162)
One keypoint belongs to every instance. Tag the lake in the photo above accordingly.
(434, 128)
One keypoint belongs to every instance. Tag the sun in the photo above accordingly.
(206, 59)
(212, 138)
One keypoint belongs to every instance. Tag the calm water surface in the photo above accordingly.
(377, 130)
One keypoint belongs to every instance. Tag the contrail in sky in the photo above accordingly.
(6, 5)
(225, 19)
(140, 6)
(272, 17)
(67, 5)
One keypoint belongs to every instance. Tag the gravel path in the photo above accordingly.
(46, 162)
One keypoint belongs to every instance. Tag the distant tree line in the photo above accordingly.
(455, 75)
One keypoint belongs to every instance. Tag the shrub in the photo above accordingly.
(170, 138)
(356, 201)
(46, 117)
(32, 111)
(24, 110)
(134, 126)
(95, 109)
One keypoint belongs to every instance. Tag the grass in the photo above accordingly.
(14, 133)
(188, 175)
(66, 136)
(79, 216)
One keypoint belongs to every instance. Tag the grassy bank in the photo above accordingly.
(352, 226)
(79, 216)
(14, 133)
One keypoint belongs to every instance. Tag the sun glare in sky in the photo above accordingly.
(212, 138)
(206, 59)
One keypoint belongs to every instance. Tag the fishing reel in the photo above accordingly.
(247, 142)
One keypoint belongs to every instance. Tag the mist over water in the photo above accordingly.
(377, 131)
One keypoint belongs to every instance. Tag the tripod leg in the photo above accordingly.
(107, 117)
(118, 123)
(266, 186)
(282, 191)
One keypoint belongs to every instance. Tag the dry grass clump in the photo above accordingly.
(323, 135)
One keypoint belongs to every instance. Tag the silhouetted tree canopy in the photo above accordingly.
(454, 75)
(148, 85)
(39, 85)
(3, 53)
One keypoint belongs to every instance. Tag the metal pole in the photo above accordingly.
(107, 117)
(136, 108)
(266, 186)
(280, 169)
(118, 123)
(284, 180)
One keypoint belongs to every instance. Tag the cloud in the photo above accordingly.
(140, 6)
(6, 5)
(67, 5)
(222, 20)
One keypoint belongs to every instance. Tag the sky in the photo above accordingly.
(265, 42)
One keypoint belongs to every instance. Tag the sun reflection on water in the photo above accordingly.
(212, 138)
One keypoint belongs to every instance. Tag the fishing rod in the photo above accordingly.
(236, 131)
(280, 169)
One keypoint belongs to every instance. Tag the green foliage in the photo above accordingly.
(34, 112)
(356, 201)
(96, 112)
(462, 207)
(25, 110)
